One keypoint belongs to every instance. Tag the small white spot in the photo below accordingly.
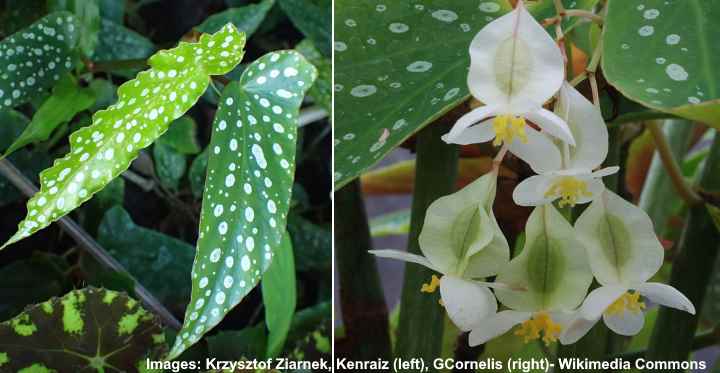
(363, 90)
(245, 263)
(215, 255)
(419, 66)
(398, 28)
(646, 30)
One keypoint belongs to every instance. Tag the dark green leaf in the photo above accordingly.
(31, 281)
(32, 59)
(246, 18)
(170, 165)
(92, 330)
(279, 296)
(117, 42)
(104, 91)
(313, 18)
(247, 192)
(113, 10)
(311, 244)
(67, 99)
(197, 173)
(113, 194)
(18, 14)
(182, 136)
(87, 12)
(248, 343)
(321, 91)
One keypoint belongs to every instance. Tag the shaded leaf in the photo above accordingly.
(87, 13)
(146, 106)
(321, 91)
(31, 281)
(170, 165)
(663, 55)
(197, 173)
(247, 192)
(113, 194)
(104, 92)
(32, 59)
(248, 343)
(182, 136)
(67, 99)
(313, 18)
(113, 10)
(93, 330)
(311, 243)
(117, 42)
(246, 18)
(18, 14)
(279, 296)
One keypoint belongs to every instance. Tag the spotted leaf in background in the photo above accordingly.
(398, 66)
(92, 330)
(146, 105)
(664, 54)
(32, 59)
(250, 173)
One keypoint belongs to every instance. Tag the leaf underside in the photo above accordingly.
(251, 165)
(146, 106)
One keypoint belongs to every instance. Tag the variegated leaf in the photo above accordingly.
(250, 174)
(146, 105)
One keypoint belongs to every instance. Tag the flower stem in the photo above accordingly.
(671, 166)
(584, 14)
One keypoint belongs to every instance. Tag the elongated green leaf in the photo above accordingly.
(66, 100)
(247, 191)
(196, 174)
(312, 244)
(32, 59)
(313, 18)
(87, 13)
(88, 330)
(146, 106)
(246, 18)
(117, 42)
(664, 55)
(279, 296)
(321, 91)
(398, 66)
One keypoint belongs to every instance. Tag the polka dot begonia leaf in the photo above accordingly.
(34, 58)
(398, 66)
(88, 330)
(664, 54)
(251, 166)
(146, 105)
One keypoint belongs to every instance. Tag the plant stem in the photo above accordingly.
(693, 265)
(584, 14)
(421, 317)
(361, 298)
(671, 166)
(85, 241)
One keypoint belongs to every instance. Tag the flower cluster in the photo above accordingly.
(516, 67)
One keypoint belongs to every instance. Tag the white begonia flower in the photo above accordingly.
(576, 181)
(555, 274)
(461, 240)
(624, 253)
(515, 67)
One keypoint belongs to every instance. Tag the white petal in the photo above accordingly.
(531, 191)
(404, 256)
(496, 325)
(467, 120)
(596, 189)
(539, 152)
(599, 300)
(466, 302)
(515, 63)
(551, 124)
(666, 295)
(576, 329)
(629, 323)
(607, 171)
(476, 134)
(587, 126)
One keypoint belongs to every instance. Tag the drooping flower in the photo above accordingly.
(555, 274)
(624, 253)
(576, 181)
(462, 241)
(515, 67)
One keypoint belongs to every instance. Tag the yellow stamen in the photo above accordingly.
(628, 301)
(540, 322)
(430, 288)
(568, 188)
(508, 127)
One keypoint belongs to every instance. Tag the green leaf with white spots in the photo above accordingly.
(34, 58)
(398, 66)
(66, 100)
(313, 18)
(321, 91)
(250, 174)
(664, 54)
(552, 268)
(146, 106)
(246, 18)
(88, 330)
(117, 42)
(279, 291)
(87, 12)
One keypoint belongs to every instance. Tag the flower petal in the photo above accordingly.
(607, 171)
(551, 124)
(629, 323)
(404, 256)
(496, 325)
(466, 302)
(479, 133)
(531, 191)
(587, 126)
(596, 189)
(467, 120)
(599, 300)
(666, 295)
(515, 63)
(539, 152)
(576, 329)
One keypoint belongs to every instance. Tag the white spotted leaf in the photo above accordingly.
(398, 66)
(146, 106)
(664, 54)
(250, 172)
(34, 58)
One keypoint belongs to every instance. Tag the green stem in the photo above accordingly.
(671, 165)
(674, 330)
(420, 327)
(365, 315)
